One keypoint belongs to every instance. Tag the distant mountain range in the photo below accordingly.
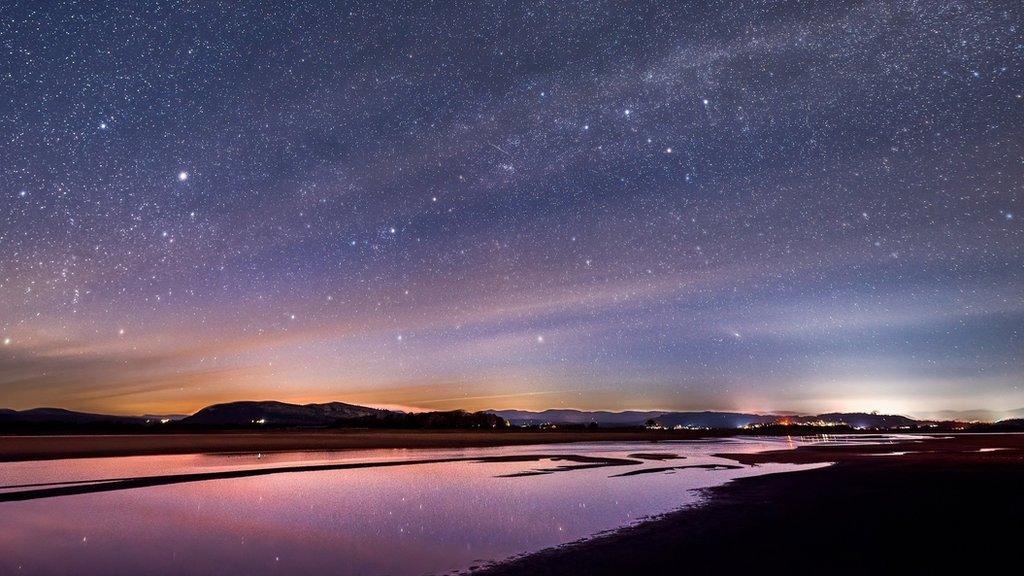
(705, 419)
(247, 414)
(632, 418)
(281, 413)
(61, 416)
(338, 414)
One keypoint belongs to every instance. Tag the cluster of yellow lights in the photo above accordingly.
(788, 422)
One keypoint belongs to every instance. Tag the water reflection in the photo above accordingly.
(357, 512)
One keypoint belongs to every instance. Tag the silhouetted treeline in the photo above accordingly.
(454, 419)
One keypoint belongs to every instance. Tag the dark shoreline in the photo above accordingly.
(941, 508)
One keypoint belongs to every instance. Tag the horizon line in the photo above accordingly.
(414, 409)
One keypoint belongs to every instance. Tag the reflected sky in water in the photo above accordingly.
(409, 519)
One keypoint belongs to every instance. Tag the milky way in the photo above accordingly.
(749, 205)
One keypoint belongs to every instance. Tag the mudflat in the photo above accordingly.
(13, 448)
(941, 506)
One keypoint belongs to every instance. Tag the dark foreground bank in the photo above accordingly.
(948, 506)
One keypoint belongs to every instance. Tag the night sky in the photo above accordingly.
(749, 205)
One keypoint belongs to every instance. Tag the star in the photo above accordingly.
(778, 219)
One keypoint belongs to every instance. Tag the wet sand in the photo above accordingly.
(943, 506)
(13, 448)
(22, 492)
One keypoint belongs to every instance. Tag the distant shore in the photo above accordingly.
(941, 506)
(51, 447)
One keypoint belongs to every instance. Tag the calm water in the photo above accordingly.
(406, 519)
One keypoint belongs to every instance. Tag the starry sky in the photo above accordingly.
(753, 205)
